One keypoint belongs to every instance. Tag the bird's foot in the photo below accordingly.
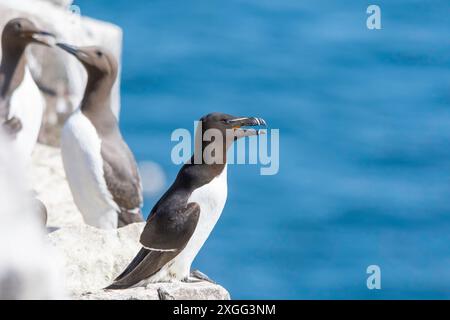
(164, 295)
(12, 126)
(197, 276)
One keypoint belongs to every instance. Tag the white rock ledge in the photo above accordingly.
(178, 290)
(93, 257)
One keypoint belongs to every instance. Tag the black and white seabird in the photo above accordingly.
(100, 168)
(21, 103)
(181, 221)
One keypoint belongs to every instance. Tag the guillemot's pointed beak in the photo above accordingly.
(68, 48)
(43, 37)
(77, 52)
(239, 124)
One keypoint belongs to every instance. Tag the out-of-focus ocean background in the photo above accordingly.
(364, 119)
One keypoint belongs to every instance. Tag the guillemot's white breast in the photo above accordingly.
(83, 164)
(28, 105)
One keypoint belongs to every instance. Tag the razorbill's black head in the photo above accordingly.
(224, 122)
(217, 131)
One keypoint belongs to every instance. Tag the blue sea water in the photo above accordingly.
(364, 119)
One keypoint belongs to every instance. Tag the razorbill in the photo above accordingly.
(21, 103)
(100, 168)
(183, 218)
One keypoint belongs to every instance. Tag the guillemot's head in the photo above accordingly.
(219, 131)
(21, 31)
(99, 62)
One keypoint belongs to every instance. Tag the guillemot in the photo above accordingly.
(100, 168)
(181, 221)
(21, 102)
